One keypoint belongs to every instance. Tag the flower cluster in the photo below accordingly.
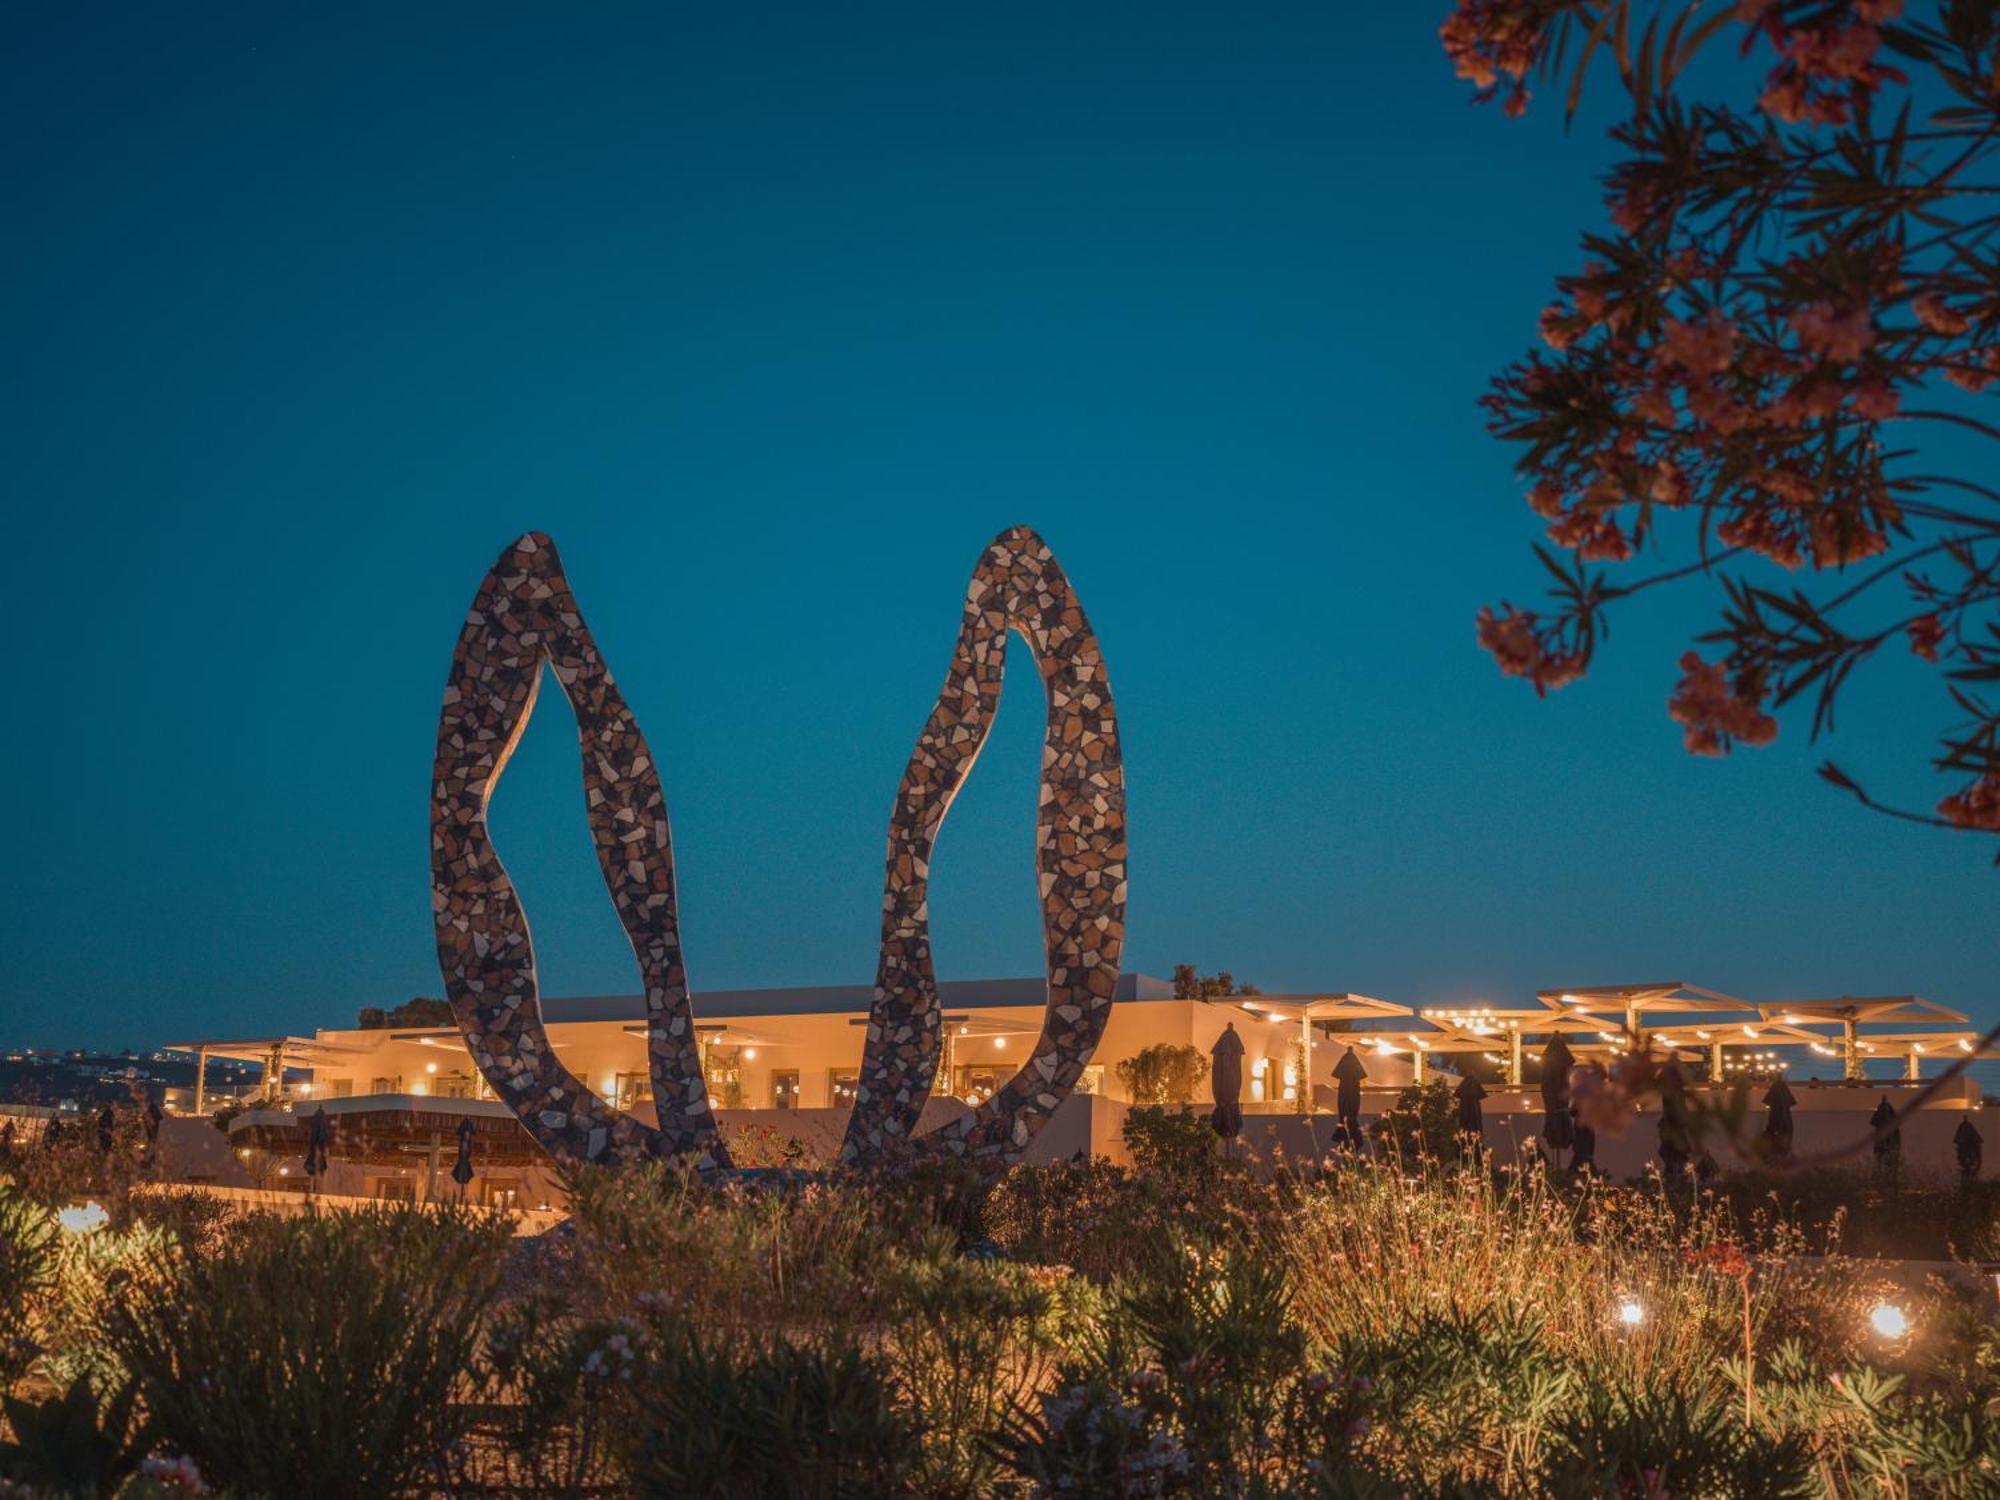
(1714, 712)
(1744, 372)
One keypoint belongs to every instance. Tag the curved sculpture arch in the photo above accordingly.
(524, 615)
(1080, 864)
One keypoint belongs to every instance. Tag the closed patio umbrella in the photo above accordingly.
(1888, 1142)
(1970, 1146)
(1557, 1060)
(1225, 1083)
(319, 1135)
(461, 1170)
(1347, 1104)
(1676, 1144)
(1583, 1137)
(1471, 1118)
(1778, 1102)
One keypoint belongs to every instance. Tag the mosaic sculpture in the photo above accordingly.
(525, 615)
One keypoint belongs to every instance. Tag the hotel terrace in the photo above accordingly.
(782, 1066)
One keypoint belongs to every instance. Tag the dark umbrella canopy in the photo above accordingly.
(1584, 1141)
(1225, 1083)
(319, 1135)
(1347, 1103)
(1557, 1060)
(1970, 1146)
(1471, 1118)
(1676, 1143)
(461, 1171)
(1778, 1102)
(1888, 1142)
(107, 1125)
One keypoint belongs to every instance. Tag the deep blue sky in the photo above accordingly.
(773, 317)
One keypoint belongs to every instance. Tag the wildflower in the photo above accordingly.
(1793, 488)
(1546, 499)
(1758, 531)
(1840, 537)
(177, 1476)
(1558, 326)
(1713, 712)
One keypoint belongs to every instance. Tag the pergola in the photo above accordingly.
(274, 1052)
(1851, 1012)
(1306, 1009)
(1482, 1028)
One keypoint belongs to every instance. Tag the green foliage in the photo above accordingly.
(27, 1270)
(1421, 1125)
(774, 1421)
(418, 1011)
(1171, 1142)
(71, 1444)
(1670, 1442)
(1162, 1074)
(315, 1356)
(1188, 985)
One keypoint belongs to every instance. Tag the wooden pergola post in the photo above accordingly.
(1514, 1074)
(200, 1080)
(1850, 1046)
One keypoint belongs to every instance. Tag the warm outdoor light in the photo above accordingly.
(1631, 1313)
(83, 1218)
(430, 1067)
(1889, 1320)
(749, 1054)
(1000, 1044)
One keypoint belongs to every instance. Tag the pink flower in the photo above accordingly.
(1713, 712)
(1702, 348)
(1876, 400)
(1976, 807)
(1839, 336)
(1938, 315)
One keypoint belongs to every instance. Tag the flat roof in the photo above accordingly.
(835, 999)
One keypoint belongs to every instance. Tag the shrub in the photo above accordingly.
(1670, 1442)
(1422, 1125)
(1170, 1142)
(27, 1270)
(317, 1356)
(775, 1420)
(970, 1342)
(70, 1444)
(1162, 1074)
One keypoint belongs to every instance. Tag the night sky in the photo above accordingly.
(773, 318)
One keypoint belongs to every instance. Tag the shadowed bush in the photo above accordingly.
(318, 1356)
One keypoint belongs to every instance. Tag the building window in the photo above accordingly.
(501, 1192)
(340, 1088)
(452, 1086)
(785, 1088)
(380, 1086)
(633, 1088)
(394, 1189)
(841, 1084)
